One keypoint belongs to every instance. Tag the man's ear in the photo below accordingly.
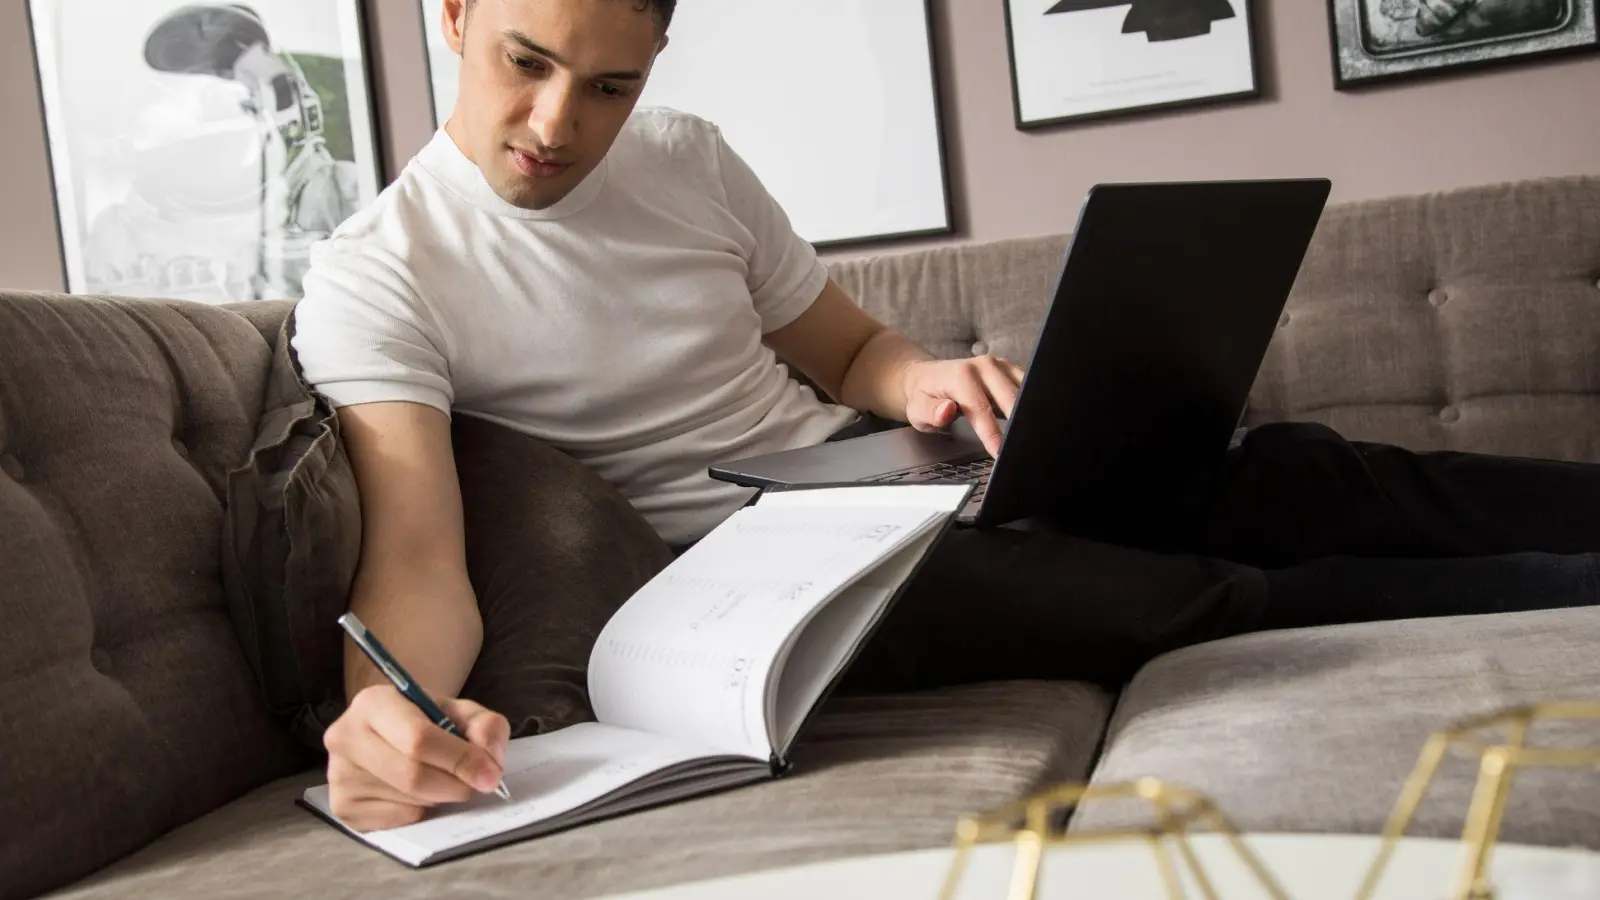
(453, 20)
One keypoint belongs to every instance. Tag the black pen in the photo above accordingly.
(403, 682)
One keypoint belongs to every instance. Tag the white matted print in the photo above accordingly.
(444, 67)
(833, 103)
(1087, 59)
(199, 149)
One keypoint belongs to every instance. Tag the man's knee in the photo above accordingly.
(1299, 457)
(1288, 434)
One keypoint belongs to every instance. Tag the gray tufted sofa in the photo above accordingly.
(1466, 320)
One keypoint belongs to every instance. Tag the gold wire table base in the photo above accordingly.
(1026, 823)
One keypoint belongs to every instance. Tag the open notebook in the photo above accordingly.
(704, 678)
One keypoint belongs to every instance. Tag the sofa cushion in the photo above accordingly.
(1317, 729)
(291, 546)
(962, 299)
(266, 315)
(128, 706)
(552, 552)
(877, 774)
(1463, 320)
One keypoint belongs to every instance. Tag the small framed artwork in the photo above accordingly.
(879, 86)
(1075, 60)
(1387, 40)
(444, 66)
(198, 150)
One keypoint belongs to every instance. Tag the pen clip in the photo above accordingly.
(374, 650)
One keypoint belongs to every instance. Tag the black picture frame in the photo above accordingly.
(942, 139)
(372, 172)
(1355, 64)
(1246, 10)
(436, 60)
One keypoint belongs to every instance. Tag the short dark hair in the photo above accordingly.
(662, 8)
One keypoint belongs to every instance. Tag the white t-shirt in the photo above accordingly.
(622, 325)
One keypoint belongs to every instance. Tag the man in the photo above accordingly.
(615, 281)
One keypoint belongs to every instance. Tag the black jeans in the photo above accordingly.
(1301, 527)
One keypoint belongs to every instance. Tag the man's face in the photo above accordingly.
(546, 85)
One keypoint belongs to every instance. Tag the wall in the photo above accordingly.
(1522, 122)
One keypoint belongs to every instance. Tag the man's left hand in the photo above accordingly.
(980, 388)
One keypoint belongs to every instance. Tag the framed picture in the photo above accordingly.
(1075, 60)
(198, 150)
(1386, 40)
(444, 67)
(852, 149)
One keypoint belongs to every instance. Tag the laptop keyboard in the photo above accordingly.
(976, 470)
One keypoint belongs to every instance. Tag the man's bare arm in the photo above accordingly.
(868, 366)
(411, 588)
(855, 358)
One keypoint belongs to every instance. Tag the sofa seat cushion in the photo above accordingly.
(877, 773)
(127, 704)
(1316, 730)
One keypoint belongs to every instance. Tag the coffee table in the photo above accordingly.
(1306, 866)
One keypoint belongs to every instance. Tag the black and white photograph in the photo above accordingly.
(1073, 60)
(199, 150)
(1386, 40)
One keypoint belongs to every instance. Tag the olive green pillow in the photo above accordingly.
(552, 550)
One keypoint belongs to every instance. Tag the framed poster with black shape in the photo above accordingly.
(1075, 60)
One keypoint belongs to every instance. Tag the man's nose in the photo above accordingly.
(555, 114)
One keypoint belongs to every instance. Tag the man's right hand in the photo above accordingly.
(388, 764)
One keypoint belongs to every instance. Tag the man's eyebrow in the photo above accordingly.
(532, 47)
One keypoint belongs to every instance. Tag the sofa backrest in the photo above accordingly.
(1465, 320)
(126, 702)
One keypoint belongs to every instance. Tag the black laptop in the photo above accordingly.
(1167, 299)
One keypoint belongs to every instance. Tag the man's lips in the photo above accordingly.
(536, 167)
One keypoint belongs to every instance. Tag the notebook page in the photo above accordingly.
(690, 653)
(547, 775)
(830, 638)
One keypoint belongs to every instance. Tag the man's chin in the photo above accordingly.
(521, 191)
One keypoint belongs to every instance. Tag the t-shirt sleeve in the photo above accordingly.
(362, 335)
(785, 274)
